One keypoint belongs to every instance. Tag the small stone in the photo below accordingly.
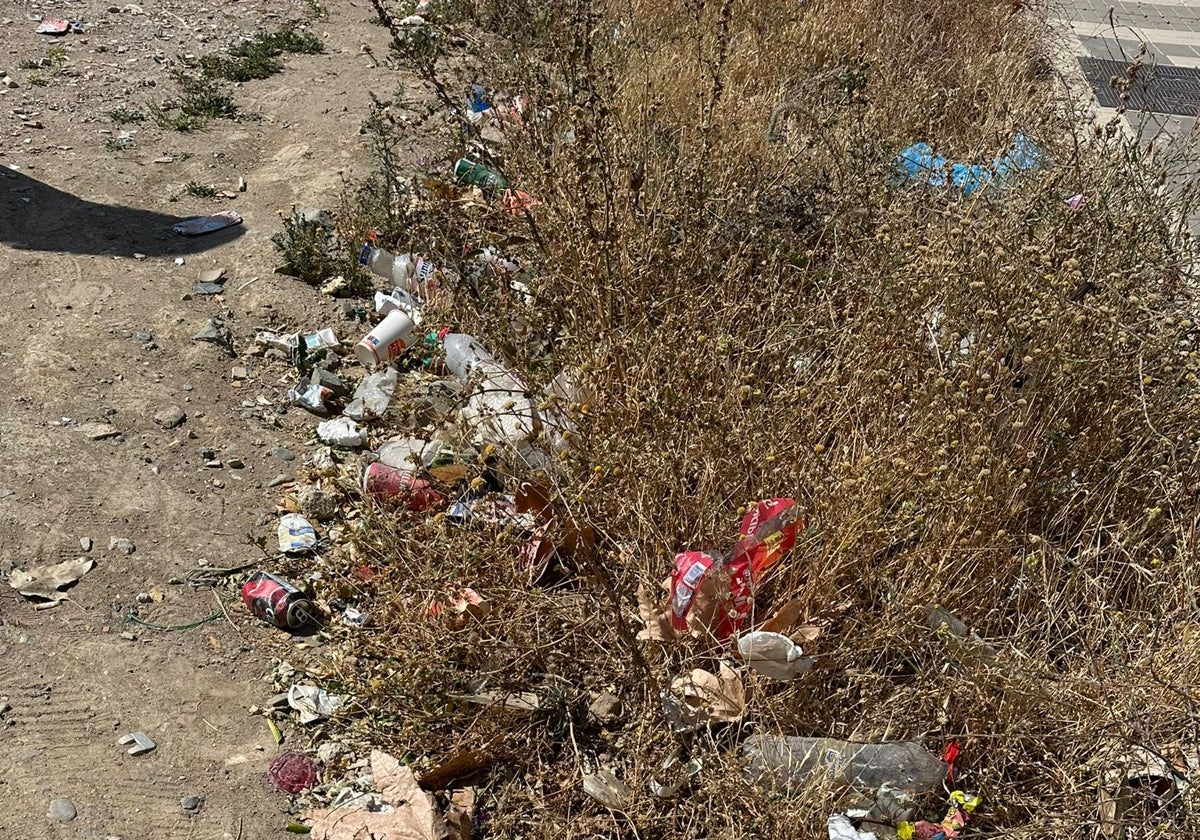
(99, 431)
(121, 544)
(214, 464)
(207, 453)
(144, 336)
(215, 332)
(85, 543)
(127, 636)
(186, 386)
(283, 454)
(238, 373)
(212, 275)
(170, 417)
(280, 480)
(180, 261)
(606, 708)
(62, 810)
(207, 289)
(190, 803)
(316, 504)
(235, 463)
(330, 751)
(30, 753)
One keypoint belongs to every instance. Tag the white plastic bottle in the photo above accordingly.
(410, 272)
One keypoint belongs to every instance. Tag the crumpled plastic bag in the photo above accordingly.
(313, 703)
(774, 655)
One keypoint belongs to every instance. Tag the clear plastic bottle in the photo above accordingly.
(410, 272)
(498, 410)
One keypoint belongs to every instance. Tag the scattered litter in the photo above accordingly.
(384, 483)
(139, 743)
(840, 828)
(673, 776)
(271, 341)
(405, 812)
(54, 26)
(275, 601)
(1076, 201)
(373, 395)
(604, 787)
(313, 703)
(477, 175)
(711, 593)
(962, 643)
(703, 697)
(322, 339)
(793, 761)
(462, 608)
(208, 289)
(1142, 786)
(296, 534)
(409, 453)
(774, 655)
(311, 397)
(292, 772)
(200, 225)
(411, 274)
(352, 617)
(45, 581)
(918, 163)
(388, 341)
(958, 812)
(342, 432)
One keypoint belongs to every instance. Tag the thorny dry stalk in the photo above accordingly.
(987, 403)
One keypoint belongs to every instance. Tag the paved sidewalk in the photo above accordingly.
(1108, 35)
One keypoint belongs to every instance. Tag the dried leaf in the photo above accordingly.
(717, 698)
(656, 618)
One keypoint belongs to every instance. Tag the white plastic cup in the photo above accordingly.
(390, 338)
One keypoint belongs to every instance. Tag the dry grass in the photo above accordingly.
(757, 318)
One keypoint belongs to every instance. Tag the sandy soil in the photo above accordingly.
(73, 213)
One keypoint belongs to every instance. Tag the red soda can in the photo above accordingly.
(277, 602)
(383, 482)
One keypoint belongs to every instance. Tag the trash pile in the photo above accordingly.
(466, 406)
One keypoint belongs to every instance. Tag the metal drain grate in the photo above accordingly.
(1161, 89)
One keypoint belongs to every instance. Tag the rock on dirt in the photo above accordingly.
(121, 544)
(170, 417)
(316, 504)
(62, 810)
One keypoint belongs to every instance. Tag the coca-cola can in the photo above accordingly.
(381, 482)
(277, 602)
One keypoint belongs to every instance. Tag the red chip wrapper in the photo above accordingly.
(767, 534)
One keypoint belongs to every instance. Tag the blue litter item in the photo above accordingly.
(478, 101)
(919, 164)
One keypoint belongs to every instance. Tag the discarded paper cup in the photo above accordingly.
(382, 482)
(387, 341)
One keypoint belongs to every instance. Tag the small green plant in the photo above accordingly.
(122, 115)
(313, 10)
(115, 144)
(29, 63)
(57, 56)
(314, 252)
(258, 57)
(195, 188)
(38, 79)
(202, 100)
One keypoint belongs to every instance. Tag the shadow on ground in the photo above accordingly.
(37, 217)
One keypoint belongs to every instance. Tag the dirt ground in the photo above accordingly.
(77, 303)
